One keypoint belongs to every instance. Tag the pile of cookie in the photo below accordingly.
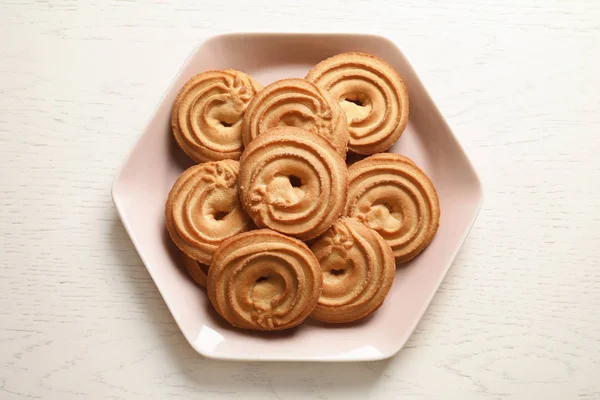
(272, 220)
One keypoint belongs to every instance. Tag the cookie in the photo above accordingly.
(203, 209)
(390, 194)
(197, 271)
(372, 95)
(293, 181)
(299, 103)
(358, 271)
(207, 114)
(264, 281)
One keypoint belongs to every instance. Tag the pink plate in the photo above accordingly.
(141, 187)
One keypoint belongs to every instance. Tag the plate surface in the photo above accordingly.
(141, 187)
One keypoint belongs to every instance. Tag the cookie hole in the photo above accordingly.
(220, 215)
(225, 124)
(337, 272)
(356, 101)
(295, 181)
(262, 279)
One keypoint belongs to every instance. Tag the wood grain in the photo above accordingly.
(517, 316)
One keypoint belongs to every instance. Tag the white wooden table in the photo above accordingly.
(518, 316)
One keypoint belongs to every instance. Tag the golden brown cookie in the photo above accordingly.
(262, 280)
(390, 194)
(371, 93)
(197, 271)
(203, 209)
(293, 181)
(358, 271)
(299, 103)
(207, 114)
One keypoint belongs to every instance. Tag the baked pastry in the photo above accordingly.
(207, 114)
(262, 280)
(293, 181)
(299, 103)
(203, 209)
(197, 271)
(371, 93)
(358, 271)
(390, 194)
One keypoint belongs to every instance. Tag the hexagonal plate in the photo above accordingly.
(141, 187)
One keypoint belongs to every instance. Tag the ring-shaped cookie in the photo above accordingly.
(207, 115)
(299, 103)
(358, 271)
(372, 95)
(390, 194)
(203, 209)
(293, 181)
(262, 280)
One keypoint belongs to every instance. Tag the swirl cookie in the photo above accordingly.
(371, 93)
(197, 271)
(299, 103)
(390, 194)
(293, 181)
(203, 209)
(263, 280)
(358, 271)
(207, 114)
